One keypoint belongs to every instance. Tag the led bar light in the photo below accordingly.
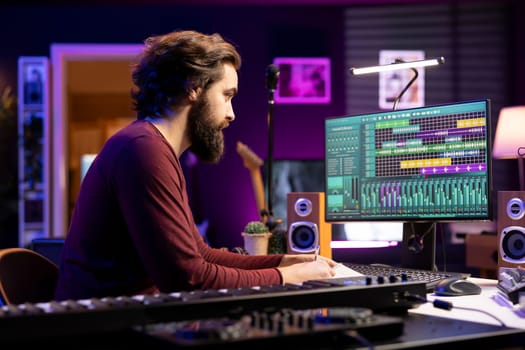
(397, 65)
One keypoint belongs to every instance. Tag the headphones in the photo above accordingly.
(416, 240)
(415, 243)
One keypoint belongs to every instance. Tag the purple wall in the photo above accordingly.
(223, 192)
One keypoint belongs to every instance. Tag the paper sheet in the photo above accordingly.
(342, 270)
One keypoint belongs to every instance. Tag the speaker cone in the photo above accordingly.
(513, 244)
(304, 237)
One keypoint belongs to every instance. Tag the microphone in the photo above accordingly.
(272, 76)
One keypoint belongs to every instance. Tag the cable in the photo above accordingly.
(428, 230)
(443, 248)
(447, 305)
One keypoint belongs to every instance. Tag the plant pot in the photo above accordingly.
(256, 243)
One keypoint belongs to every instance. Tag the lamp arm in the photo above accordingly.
(521, 173)
(416, 74)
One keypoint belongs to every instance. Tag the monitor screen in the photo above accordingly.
(423, 164)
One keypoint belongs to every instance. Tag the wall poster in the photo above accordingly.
(393, 82)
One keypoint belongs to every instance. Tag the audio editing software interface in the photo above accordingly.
(430, 163)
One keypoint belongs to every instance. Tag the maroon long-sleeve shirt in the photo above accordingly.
(132, 229)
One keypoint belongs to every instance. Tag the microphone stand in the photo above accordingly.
(272, 76)
(270, 150)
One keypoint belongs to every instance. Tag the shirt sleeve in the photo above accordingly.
(151, 191)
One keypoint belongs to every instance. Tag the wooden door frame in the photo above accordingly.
(58, 182)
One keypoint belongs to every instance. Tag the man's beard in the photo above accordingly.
(207, 140)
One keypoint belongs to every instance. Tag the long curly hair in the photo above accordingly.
(174, 64)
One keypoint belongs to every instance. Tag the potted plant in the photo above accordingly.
(256, 236)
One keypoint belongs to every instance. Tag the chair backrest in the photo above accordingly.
(51, 248)
(26, 276)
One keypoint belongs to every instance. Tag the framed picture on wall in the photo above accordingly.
(393, 82)
(303, 80)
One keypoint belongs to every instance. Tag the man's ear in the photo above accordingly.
(194, 93)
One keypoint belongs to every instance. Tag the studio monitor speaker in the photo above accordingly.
(511, 228)
(307, 228)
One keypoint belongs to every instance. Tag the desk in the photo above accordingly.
(488, 301)
(429, 327)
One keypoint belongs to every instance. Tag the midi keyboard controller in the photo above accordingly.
(263, 312)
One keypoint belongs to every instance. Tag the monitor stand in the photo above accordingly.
(418, 249)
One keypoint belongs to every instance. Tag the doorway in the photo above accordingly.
(91, 86)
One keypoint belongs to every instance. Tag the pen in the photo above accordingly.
(316, 253)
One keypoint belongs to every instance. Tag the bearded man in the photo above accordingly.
(132, 230)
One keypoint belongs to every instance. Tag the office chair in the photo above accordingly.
(26, 276)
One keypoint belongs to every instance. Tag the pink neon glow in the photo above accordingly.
(362, 244)
(303, 80)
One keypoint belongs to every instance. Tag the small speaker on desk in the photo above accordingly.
(511, 228)
(307, 228)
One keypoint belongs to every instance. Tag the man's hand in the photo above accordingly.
(291, 259)
(304, 271)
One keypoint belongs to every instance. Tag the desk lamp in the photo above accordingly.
(509, 143)
(397, 65)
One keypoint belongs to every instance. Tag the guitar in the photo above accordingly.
(253, 163)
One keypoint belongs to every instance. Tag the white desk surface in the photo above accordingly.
(489, 301)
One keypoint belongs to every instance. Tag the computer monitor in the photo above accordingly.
(419, 166)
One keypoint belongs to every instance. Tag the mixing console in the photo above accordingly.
(309, 328)
(111, 314)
